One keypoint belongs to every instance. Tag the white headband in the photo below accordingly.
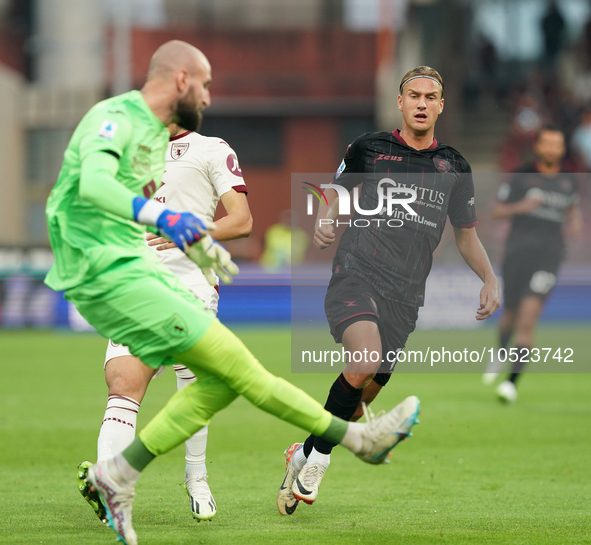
(415, 77)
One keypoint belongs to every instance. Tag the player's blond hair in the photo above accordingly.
(422, 71)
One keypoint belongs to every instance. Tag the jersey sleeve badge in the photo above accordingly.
(441, 165)
(233, 165)
(340, 169)
(108, 130)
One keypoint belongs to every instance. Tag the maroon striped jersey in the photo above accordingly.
(392, 248)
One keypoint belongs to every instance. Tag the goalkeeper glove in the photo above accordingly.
(212, 258)
(183, 228)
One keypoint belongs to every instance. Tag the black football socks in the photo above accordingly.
(343, 400)
(504, 337)
(523, 353)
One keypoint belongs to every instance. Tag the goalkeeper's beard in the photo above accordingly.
(188, 116)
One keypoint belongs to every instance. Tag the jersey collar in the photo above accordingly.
(181, 135)
(398, 136)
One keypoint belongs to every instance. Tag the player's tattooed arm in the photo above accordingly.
(345, 177)
(475, 256)
(324, 231)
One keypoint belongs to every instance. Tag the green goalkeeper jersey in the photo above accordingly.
(87, 240)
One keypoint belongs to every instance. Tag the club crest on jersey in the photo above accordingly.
(178, 149)
(108, 130)
(441, 165)
(233, 166)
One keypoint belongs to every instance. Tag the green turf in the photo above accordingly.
(475, 471)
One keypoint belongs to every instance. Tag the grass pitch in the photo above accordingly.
(475, 471)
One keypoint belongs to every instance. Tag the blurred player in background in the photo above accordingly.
(285, 243)
(199, 172)
(539, 200)
(379, 272)
(96, 223)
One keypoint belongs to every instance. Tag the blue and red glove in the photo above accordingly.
(182, 228)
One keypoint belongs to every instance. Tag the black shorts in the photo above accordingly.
(349, 299)
(529, 275)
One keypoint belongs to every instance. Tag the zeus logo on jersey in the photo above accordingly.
(382, 157)
(108, 130)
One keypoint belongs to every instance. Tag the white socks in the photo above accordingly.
(196, 445)
(118, 427)
(299, 460)
(318, 457)
(353, 439)
(195, 453)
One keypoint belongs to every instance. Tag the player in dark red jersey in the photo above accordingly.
(539, 199)
(379, 272)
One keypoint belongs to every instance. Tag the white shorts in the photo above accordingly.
(208, 294)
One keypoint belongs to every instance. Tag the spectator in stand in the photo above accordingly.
(489, 62)
(527, 119)
(554, 30)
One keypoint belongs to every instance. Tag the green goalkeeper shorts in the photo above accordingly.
(139, 303)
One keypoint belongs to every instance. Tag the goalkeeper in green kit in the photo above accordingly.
(97, 213)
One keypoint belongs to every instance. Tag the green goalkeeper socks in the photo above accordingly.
(336, 430)
(137, 455)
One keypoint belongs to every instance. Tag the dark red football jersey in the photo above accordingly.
(395, 255)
